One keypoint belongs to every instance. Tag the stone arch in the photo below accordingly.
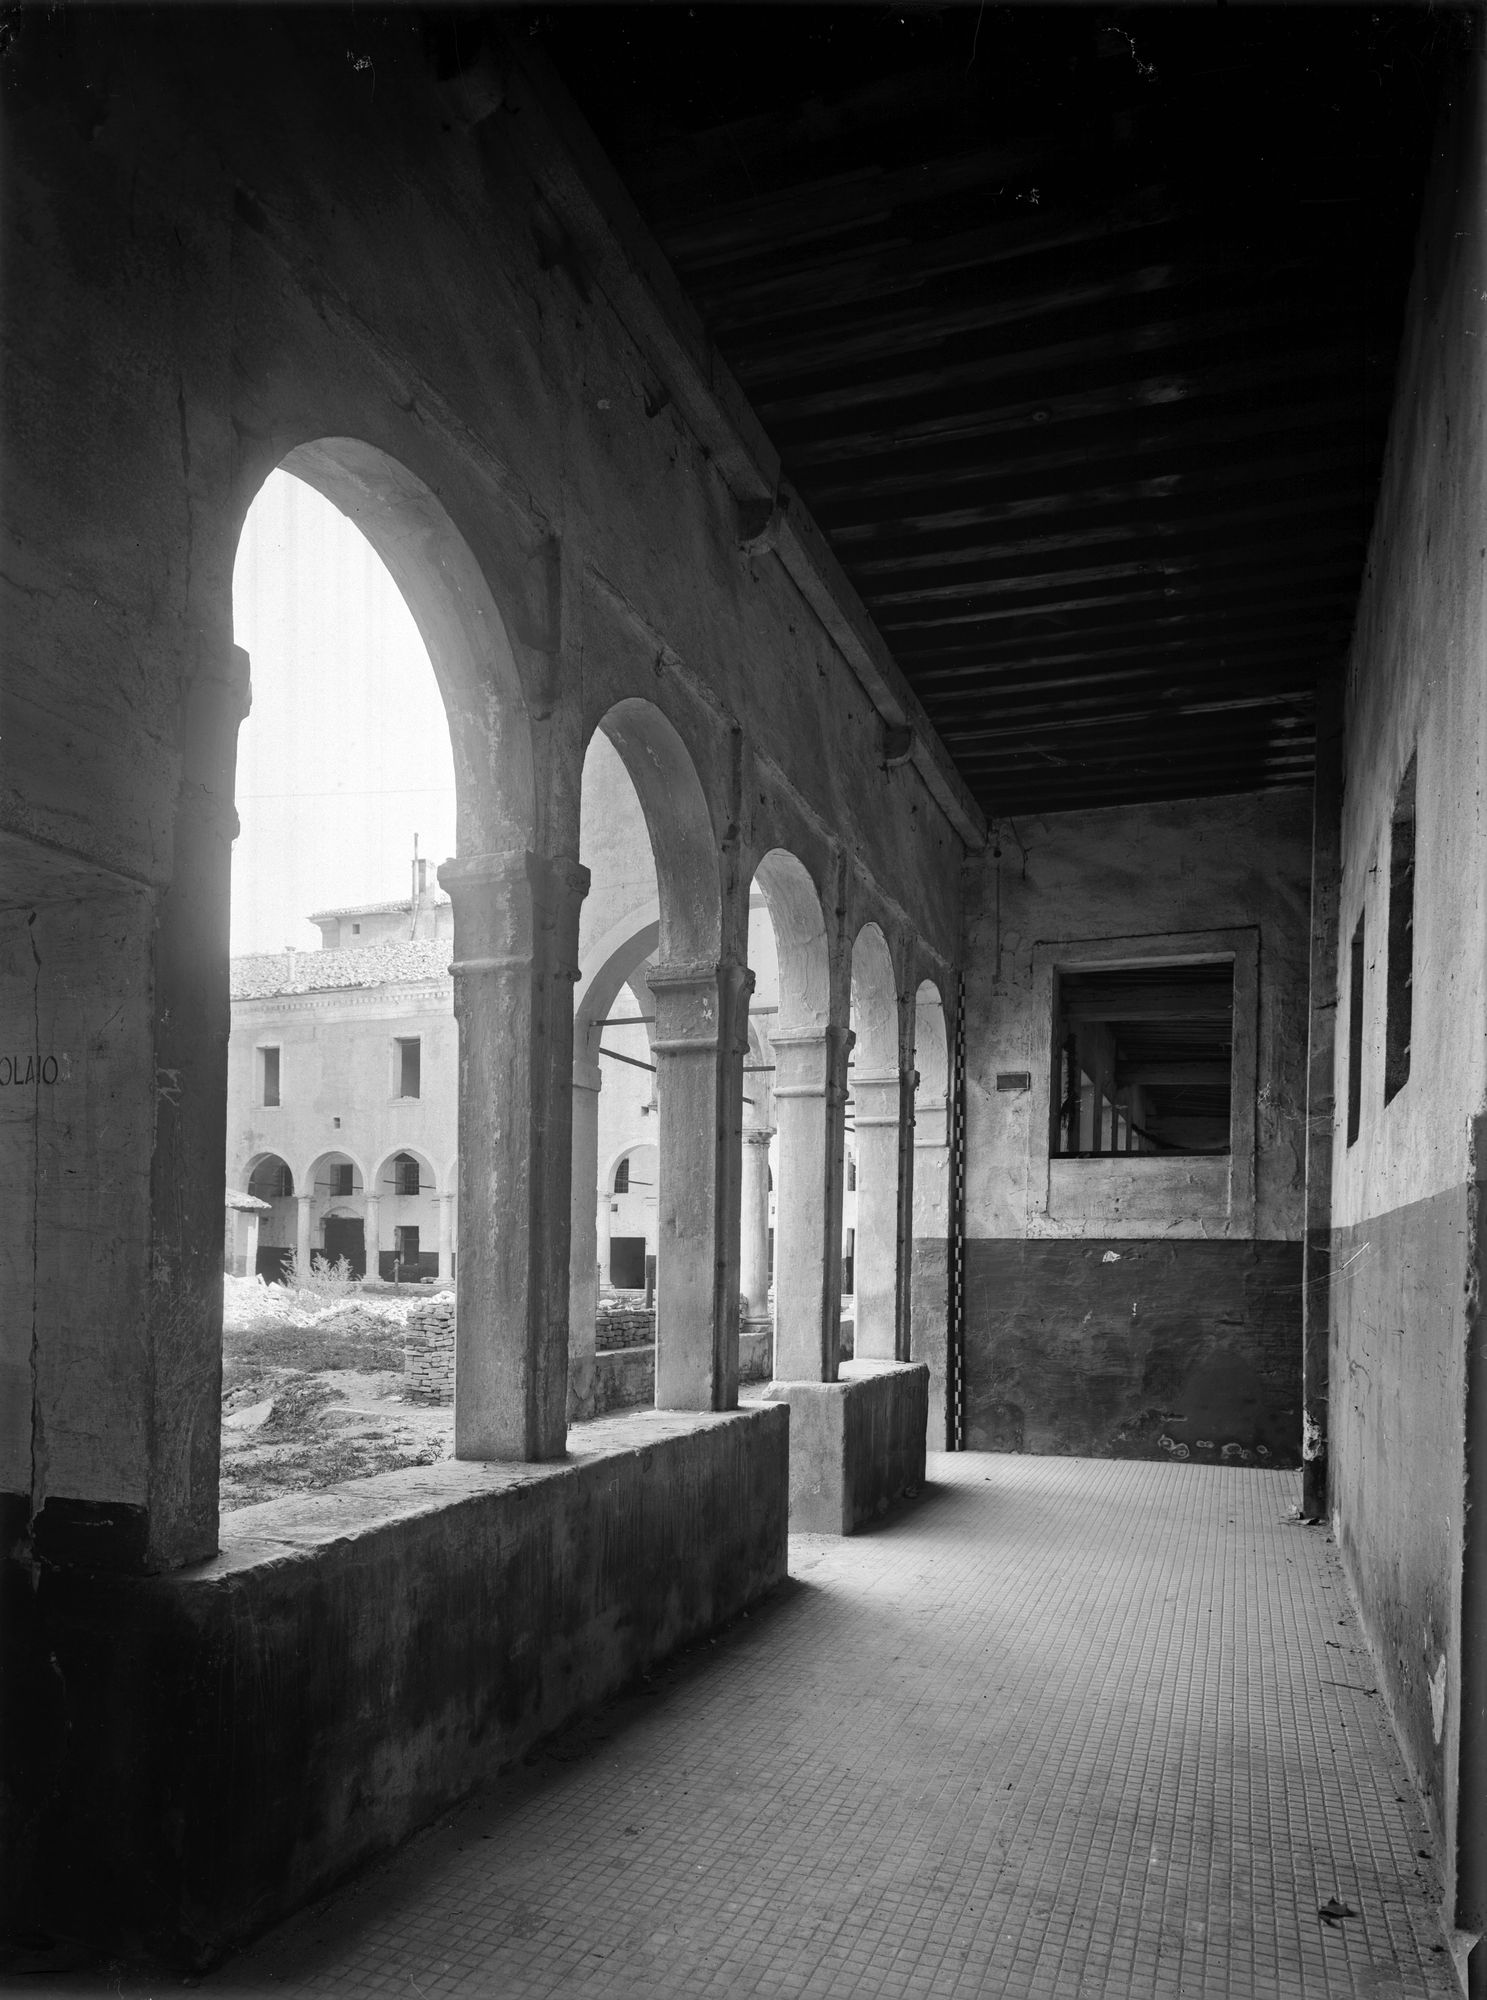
(697, 1048)
(929, 1297)
(462, 628)
(384, 1179)
(879, 1273)
(931, 1055)
(308, 1182)
(799, 923)
(683, 841)
(256, 1166)
(504, 886)
(624, 1153)
(614, 960)
(809, 1097)
(874, 1003)
(275, 1230)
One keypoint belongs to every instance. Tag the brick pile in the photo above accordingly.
(428, 1357)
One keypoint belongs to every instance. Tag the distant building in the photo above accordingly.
(341, 1101)
(341, 1095)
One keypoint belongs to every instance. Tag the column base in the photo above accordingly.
(582, 1373)
(756, 1350)
(856, 1445)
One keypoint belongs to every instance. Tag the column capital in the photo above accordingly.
(513, 908)
(700, 1006)
(877, 1099)
(587, 1074)
(553, 878)
(758, 1135)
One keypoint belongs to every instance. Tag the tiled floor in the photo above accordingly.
(1066, 1728)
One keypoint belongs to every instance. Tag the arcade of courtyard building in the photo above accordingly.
(1033, 718)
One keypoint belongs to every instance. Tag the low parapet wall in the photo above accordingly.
(856, 1445)
(205, 1751)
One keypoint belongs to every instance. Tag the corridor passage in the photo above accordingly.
(1067, 1727)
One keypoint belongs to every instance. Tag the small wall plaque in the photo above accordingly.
(1014, 1079)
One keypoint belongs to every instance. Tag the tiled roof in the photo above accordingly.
(374, 909)
(397, 962)
(237, 1199)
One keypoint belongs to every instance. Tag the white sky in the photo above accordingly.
(345, 756)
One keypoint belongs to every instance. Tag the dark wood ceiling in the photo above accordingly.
(1076, 331)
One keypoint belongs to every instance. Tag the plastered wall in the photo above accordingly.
(1403, 1245)
(1141, 1307)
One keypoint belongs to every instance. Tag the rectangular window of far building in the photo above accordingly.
(268, 1066)
(410, 1066)
(1143, 1060)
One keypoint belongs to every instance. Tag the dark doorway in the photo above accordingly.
(627, 1263)
(345, 1236)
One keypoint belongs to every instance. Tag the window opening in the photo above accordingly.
(340, 1179)
(622, 1177)
(270, 1094)
(1143, 1061)
(1399, 984)
(1355, 1031)
(409, 1066)
(406, 1173)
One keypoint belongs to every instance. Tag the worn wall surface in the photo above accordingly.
(1140, 1306)
(1403, 1249)
(387, 1647)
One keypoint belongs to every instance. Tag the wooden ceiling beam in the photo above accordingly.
(870, 261)
(777, 401)
(1156, 525)
(1344, 496)
(1326, 592)
(1212, 643)
(1216, 1074)
(1176, 435)
(1224, 571)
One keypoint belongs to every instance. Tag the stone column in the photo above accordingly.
(372, 1230)
(603, 1217)
(1321, 1112)
(302, 1221)
(701, 1033)
(931, 1168)
(446, 1234)
(516, 958)
(810, 1094)
(753, 1258)
(160, 1442)
(583, 1253)
(878, 1111)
